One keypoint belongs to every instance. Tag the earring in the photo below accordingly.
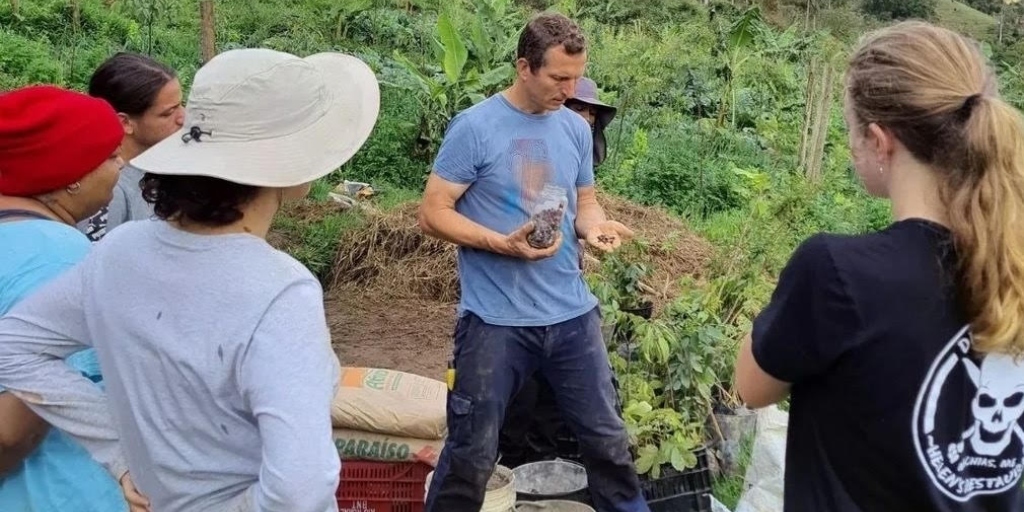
(74, 188)
(881, 170)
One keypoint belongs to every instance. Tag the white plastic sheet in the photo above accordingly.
(764, 478)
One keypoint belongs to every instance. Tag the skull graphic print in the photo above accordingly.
(976, 449)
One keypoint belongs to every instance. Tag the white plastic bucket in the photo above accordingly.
(502, 499)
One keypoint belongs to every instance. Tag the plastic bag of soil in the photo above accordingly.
(390, 402)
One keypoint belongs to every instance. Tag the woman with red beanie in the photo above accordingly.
(59, 161)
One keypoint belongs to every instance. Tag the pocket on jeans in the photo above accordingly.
(460, 418)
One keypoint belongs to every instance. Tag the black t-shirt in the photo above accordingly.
(890, 410)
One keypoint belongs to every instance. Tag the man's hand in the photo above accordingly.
(608, 235)
(517, 246)
(136, 501)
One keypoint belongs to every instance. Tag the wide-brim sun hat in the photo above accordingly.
(270, 119)
(586, 92)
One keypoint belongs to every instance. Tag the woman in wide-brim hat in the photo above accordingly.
(59, 161)
(214, 344)
(598, 114)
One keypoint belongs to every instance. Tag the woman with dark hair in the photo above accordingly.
(147, 97)
(214, 345)
(901, 350)
(59, 161)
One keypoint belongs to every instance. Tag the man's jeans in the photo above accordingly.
(491, 365)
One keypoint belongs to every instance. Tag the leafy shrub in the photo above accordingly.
(689, 168)
(387, 154)
(23, 62)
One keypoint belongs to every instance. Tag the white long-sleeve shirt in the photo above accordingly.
(217, 361)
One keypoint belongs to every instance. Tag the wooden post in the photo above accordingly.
(14, 6)
(208, 35)
(823, 121)
(817, 117)
(809, 103)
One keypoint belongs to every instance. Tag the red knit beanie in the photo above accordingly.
(51, 137)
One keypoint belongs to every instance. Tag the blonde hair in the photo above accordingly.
(934, 91)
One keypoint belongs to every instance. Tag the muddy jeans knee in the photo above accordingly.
(466, 462)
(491, 363)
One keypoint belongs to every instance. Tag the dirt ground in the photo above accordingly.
(407, 334)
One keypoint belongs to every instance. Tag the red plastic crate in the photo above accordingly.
(382, 486)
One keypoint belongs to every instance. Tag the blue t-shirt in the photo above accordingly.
(59, 474)
(507, 157)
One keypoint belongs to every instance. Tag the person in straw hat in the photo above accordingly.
(59, 161)
(214, 345)
(597, 114)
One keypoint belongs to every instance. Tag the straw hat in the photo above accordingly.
(270, 119)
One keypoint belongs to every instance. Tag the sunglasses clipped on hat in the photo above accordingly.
(586, 94)
(270, 119)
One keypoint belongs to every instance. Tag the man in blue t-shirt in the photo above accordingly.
(525, 306)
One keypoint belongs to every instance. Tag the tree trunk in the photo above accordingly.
(208, 36)
(76, 15)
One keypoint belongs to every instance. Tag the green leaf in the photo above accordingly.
(496, 76)
(646, 460)
(689, 460)
(455, 52)
(481, 44)
(438, 50)
(677, 459)
(422, 79)
(742, 33)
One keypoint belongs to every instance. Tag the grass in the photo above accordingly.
(965, 19)
(310, 231)
(313, 239)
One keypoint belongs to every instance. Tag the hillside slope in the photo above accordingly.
(965, 19)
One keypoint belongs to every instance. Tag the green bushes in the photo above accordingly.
(387, 155)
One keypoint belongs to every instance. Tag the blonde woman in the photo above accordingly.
(901, 349)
